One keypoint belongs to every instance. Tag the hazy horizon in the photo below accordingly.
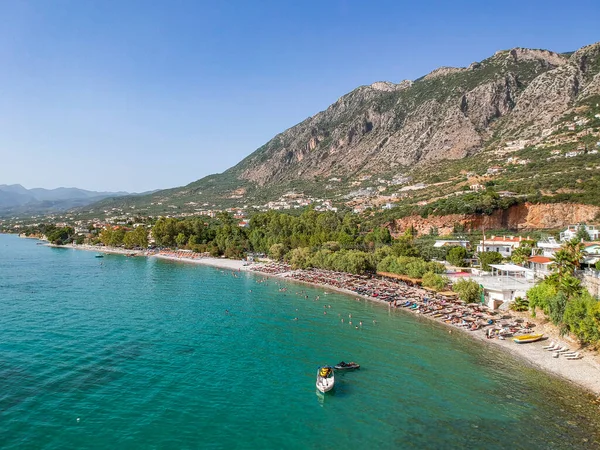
(127, 96)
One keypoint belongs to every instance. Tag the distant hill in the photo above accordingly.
(15, 199)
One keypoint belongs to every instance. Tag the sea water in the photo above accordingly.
(120, 352)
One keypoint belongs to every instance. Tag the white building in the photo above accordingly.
(571, 232)
(540, 266)
(501, 244)
(546, 247)
(451, 243)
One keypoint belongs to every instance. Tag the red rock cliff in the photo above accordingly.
(524, 217)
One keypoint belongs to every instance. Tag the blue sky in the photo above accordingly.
(139, 95)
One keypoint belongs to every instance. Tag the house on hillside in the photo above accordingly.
(571, 232)
(494, 170)
(451, 243)
(501, 244)
(573, 154)
(546, 247)
(540, 266)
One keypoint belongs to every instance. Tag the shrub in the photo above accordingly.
(520, 304)
(582, 318)
(538, 296)
(435, 281)
(468, 290)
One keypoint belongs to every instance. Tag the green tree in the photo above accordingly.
(435, 281)
(379, 236)
(582, 234)
(456, 256)
(487, 258)
(520, 255)
(299, 258)
(181, 240)
(60, 236)
(539, 294)
(137, 238)
(468, 290)
(570, 286)
(277, 251)
(568, 258)
(582, 318)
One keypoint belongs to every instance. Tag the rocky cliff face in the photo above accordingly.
(521, 217)
(448, 114)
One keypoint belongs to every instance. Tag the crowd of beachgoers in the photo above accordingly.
(182, 254)
(397, 294)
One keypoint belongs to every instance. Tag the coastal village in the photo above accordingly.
(255, 225)
(501, 283)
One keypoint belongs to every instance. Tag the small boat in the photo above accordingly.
(528, 338)
(99, 256)
(346, 366)
(325, 379)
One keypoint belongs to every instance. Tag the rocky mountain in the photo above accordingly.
(15, 199)
(448, 114)
(386, 128)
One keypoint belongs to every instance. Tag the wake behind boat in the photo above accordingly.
(325, 379)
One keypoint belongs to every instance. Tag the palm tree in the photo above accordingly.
(575, 249)
(570, 285)
(563, 262)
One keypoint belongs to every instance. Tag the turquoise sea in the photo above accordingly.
(123, 353)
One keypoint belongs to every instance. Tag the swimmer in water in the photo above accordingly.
(360, 323)
(324, 312)
(342, 320)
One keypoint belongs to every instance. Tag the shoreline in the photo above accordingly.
(585, 372)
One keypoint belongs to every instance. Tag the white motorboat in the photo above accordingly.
(325, 379)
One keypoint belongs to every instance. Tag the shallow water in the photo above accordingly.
(140, 353)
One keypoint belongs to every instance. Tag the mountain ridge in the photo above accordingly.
(448, 114)
(16, 199)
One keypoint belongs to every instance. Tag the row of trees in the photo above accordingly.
(564, 300)
(136, 238)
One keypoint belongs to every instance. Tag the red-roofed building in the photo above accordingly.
(501, 244)
(540, 266)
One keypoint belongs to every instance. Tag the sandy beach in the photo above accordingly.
(104, 249)
(222, 263)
